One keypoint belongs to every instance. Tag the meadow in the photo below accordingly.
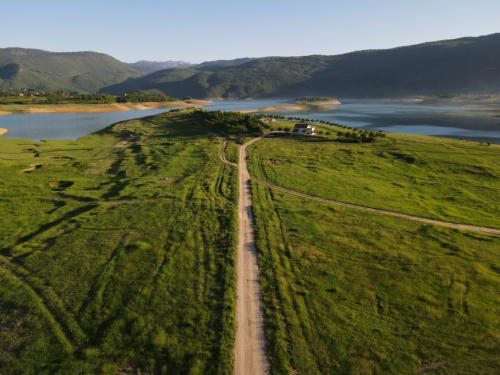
(438, 178)
(350, 292)
(117, 251)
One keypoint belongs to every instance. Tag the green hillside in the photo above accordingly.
(117, 250)
(48, 71)
(467, 65)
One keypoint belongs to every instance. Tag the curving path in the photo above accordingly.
(223, 154)
(472, 228)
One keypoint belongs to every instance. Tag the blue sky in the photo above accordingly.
(198, 30)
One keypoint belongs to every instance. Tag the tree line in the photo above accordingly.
(59, 97)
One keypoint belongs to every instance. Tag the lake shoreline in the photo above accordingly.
(9, 109)
(3, 131)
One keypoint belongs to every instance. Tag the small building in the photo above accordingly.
(303, 128)
(267, 120)
(21, 94)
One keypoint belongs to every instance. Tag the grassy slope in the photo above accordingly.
(118, 253)
(348, 292)
(438, 178)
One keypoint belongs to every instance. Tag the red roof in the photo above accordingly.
(302, 125)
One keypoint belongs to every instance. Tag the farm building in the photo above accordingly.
(303, 128)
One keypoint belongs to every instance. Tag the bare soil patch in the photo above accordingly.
(32, 168)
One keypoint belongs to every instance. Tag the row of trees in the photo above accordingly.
(143, 97)
(316, 99)
(59, 97)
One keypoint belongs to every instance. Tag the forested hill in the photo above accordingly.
(48, 71)
(466, 65)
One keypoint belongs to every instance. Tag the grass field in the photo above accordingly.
(117, 252)
(349, 292)
(438, 178)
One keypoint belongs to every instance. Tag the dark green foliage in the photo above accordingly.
(316, 98)
(142, 97)
(59, 97)
(233, 123)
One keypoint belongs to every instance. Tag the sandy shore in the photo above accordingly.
(3, 131)
(96, 108)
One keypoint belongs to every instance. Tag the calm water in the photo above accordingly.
(390, 117)
(39, 126)
(411, 119)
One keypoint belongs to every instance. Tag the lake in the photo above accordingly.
(390, 117)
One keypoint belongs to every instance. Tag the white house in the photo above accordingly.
(303, 128)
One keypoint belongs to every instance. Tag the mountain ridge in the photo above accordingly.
(464, 65)
(84, 71)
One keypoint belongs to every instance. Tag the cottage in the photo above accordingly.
(303, 128)
(21, 94)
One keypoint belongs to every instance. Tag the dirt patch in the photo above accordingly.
(120, 144)
(276, 161)
(168, 181)
(61, 157)
(32, 168)
(431, 367)
(61, 185)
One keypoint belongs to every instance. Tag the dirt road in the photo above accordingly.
(250, 346)
(250, 357)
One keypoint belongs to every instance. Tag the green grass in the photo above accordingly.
(351, 292)
(450, 180)
(232, 152)
(117, 252)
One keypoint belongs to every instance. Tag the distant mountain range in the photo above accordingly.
(460, 66)
(146, 66)
(48, 71)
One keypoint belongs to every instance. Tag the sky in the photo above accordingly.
(197, 31)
